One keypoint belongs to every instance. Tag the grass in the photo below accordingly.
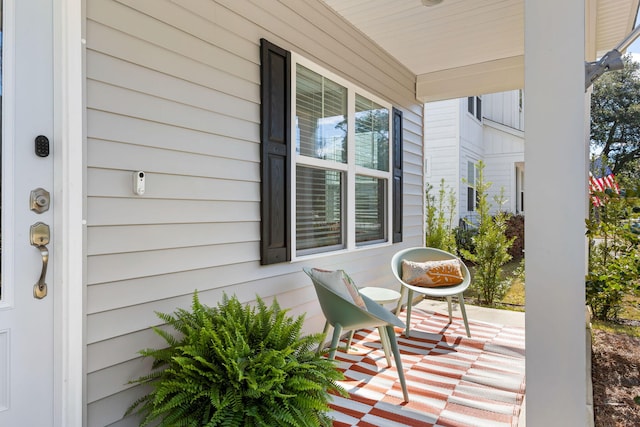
(616, 328)
(515, 297)
(515, 294)
(631, 308)
(630, 311)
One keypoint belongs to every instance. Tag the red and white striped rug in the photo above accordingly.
(452, 380)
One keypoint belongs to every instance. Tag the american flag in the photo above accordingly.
(601, 178)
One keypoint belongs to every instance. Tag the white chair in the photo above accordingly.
(422, 254)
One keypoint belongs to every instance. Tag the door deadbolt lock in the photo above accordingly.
(39, 200)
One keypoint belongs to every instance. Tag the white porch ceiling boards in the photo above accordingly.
(466, 47)
(615, 19)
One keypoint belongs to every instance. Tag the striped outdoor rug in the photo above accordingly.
(452, 380)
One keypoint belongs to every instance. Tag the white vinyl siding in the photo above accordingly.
(442, 146)
(173, 88)
(504, 149)
(506, 108)
(454, 137)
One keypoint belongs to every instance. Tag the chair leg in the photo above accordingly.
(464, 314)
(403, 291)
(396, 354)
(450, 309)
(349, 340)
(337, 330)
(324, 333)
(409, 304)
(384, 340)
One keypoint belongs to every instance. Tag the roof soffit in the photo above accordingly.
(460, 45)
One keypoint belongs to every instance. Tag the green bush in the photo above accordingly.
(235, 365)
(439, 218)
(490, 247)
(464, 237)
(614, 256)
(515, 230)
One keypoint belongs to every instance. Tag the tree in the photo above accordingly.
(615, 118)
(490, 246)
(439, 218)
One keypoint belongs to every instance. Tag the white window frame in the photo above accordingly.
(350, 169)
(472, 164)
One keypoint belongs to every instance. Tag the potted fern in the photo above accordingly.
(235, 365)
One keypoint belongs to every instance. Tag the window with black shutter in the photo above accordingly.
(275, 164)
(331, 161)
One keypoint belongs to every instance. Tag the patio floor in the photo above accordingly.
(452, 380)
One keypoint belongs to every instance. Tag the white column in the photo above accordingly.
(69, 392)
(556, 173)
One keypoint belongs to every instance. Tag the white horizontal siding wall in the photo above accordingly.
(504, 147)
(471, 150)
(504, 107)
(173, 89)
(442, 145)
(454, 137)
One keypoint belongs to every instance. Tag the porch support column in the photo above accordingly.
(555, 200)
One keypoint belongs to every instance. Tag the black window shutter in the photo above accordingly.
(275, 161)
(397, 175)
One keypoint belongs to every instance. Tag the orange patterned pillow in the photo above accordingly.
(431, 274)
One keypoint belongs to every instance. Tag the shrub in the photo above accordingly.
(237, 366)
(614, 257)
(490, 246)
(439, 218)
(464, 237)
(515, 231)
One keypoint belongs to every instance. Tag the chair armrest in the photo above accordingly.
(382, 313)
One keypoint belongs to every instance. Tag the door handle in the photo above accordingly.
(39, 236)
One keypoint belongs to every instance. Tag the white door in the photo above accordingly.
(26, 313)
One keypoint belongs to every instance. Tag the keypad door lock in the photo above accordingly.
(42, 146)
(39, 200)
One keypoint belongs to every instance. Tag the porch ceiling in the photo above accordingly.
(461, 47)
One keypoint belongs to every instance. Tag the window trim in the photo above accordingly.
(350, 168)
(473, 164)
(474, 107)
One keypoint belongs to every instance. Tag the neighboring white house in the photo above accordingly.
(461, 132)
(209, 99)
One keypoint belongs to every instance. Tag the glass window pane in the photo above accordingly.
(318, 208)
(470, 199)
(372, 134)
(321, 116)
(471, 174)
(371, 206)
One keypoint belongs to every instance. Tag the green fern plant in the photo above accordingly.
(235, 365)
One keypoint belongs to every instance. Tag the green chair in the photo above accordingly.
(345, 315)
(422, 254)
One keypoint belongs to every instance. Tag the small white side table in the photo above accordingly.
(381, 296)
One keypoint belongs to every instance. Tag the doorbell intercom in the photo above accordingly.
(138, 182)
